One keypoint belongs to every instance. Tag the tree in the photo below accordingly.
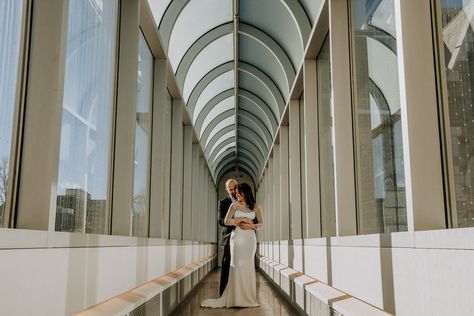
(3, 185)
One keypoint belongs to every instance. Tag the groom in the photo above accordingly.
(224, 246)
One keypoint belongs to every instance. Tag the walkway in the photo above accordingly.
(271, 302)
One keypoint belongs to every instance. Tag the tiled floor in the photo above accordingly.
(271, 302)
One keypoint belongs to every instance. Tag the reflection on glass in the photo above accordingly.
(142, 140)
(10, 27)
(326, 161)
(458, 39)
(380, 170)
(82, 196)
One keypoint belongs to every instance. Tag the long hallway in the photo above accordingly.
(271, 302)
(347, 125)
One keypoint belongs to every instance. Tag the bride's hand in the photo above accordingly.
(246, 226)
(241, 220)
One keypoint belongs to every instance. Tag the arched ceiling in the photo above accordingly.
(235, 62)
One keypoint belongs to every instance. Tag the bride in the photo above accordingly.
(241, 289)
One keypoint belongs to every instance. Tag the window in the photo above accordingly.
(84, 166)
(326, 151)
(141, 181)
(458, 42)
(379, 151)
(10, 37)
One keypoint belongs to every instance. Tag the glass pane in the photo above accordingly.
(458, 39)
(141, 181)
(82, 200)
(193, 22)
(10, 32)
(326, 161)
(380, 170)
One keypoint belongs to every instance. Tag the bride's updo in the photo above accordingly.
(245, 190)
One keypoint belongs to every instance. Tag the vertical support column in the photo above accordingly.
(176, 212)
(208, 204)
(41, 136)
(126, 119)
(284, 185)
(344, 177)
(195, 196)
(271, 208)
(161, 112)
(312, 218)
(202, 163)
(262, 197)
(419, 113)
(276, 192)
(187, 182)
(295, 169)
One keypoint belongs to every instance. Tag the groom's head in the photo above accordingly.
(230, 186)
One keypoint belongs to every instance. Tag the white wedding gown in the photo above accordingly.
(241, 289)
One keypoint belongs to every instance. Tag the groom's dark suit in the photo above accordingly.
(224, 246)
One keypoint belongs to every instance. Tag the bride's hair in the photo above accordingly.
(246, 191)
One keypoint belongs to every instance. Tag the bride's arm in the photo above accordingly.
(230, 220)
(259, 215)
(229, 217)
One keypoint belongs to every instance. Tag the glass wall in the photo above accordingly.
(379, 151)
(458, 41)
(10, 36)
(141, 179)
(84, 166)
(326, 148)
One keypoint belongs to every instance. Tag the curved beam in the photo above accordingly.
(241, 142)
(262, 106)
(216, 137)
(256, 139)
(218, 148)
(204, 82)
(246, 119)
(209, 128)
(250, 155)
(197, 47)
(231, 157)
(226, 153)
(245, 29)
(253, 122)
(248, 145)
(209, 106)
(244, 170)
(234, 163)
(300, 18)
(267, 82)
(246, 133)
(169, 19)
(230, 160)
(275, 49)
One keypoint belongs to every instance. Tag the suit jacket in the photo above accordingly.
(224, 205)
(226, 230)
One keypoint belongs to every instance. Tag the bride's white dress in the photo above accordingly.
(241, 289)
